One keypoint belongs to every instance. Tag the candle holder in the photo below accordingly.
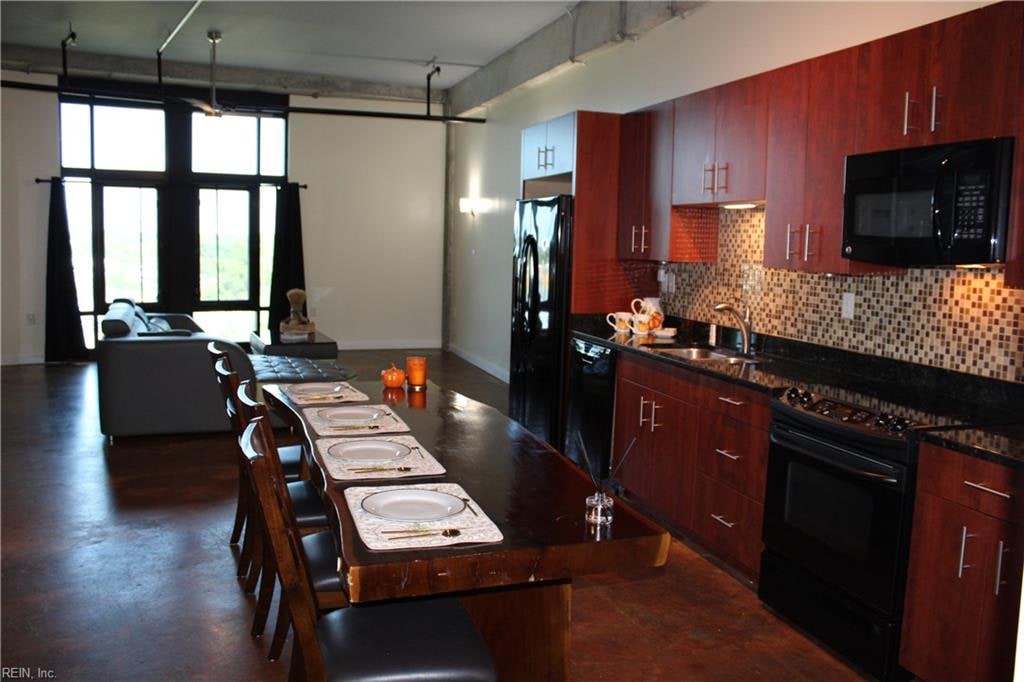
(600, 506)
(416, 372)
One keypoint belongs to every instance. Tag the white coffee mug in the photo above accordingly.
(620, 321)
(641, 324)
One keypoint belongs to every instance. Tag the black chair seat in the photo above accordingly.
(322, 558)
(291, 461)
(418, 640)
(309, 508)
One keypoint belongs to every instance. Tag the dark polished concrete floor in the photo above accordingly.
(115, 562)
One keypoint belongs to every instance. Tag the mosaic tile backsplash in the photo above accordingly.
(962, 320)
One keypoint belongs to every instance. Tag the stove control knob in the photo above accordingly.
(793, 394)
(805, 398)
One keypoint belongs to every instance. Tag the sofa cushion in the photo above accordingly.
(119, 320)
(273, 369)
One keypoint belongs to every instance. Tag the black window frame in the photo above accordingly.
(178, 187)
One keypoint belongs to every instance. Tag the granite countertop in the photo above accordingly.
(933, 398)
(1000, 444)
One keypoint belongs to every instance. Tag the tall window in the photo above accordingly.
(173, 209)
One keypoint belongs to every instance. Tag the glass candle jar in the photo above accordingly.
(599, 508)
(416, 372)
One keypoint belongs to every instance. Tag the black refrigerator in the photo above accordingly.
(540, 311)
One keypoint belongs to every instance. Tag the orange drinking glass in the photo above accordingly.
(416, 372)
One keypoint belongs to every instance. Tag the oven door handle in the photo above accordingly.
(839, 458)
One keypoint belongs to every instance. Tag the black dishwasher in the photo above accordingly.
(590, 401)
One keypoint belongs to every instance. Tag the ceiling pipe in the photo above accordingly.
(170, 37)
(241, 109)
(433, 72)
(71, 39)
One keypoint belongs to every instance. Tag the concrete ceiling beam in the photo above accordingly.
(588, 27)
(86, 64)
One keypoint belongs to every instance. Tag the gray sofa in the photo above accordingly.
(155, 375)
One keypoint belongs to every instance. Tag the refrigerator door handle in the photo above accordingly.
(530, 284)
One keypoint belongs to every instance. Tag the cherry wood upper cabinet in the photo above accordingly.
(786, 162)
(741, 136)
(645, 184)
(809, 135)
(945, 82)
(634, 142)
(694, 148)
(975, 69)
(720, 140)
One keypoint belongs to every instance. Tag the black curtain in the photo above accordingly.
(288, 272)
(64, 339)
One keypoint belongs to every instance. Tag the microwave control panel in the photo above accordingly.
(971, 211)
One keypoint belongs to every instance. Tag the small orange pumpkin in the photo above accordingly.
(392, 377)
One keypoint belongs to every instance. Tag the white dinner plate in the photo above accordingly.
(351, 414)
(412, 504)
(369, 451)
(315, 389)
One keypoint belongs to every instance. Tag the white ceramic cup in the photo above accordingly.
(641, 324)
(620, 322)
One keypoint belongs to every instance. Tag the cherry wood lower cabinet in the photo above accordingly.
(966, 560)
(701, 454)
(729, 524)
(659, 468)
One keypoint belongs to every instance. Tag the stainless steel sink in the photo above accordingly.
(704, 354)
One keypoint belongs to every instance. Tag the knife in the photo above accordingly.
(370, 427)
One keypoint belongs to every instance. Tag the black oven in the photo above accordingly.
(943, 204)
(837, 515)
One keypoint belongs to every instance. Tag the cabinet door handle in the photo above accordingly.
(963, 548)
(725, 185)
(552, 163)
(906, 112)
(643, 403)
(807, 241)
(730, 400)
(726, 453)
(986, 489)
(721, 520)
(632, 241)
(704, 176)
(654, 406)
(999, 566)
(540, 158)
(643, 238)
(935, 107)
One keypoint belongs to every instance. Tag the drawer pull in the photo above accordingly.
(999, 566)
(963, 549)
(654, 407)
(978, 486)
(643, 403)
(726, 453)
(730, 400)
(721, 520)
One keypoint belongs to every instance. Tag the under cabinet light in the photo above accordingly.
(737, 207)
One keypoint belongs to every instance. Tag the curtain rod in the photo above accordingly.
(41, 180)
(241, 109)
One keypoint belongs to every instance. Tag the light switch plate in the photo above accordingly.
(846, 311)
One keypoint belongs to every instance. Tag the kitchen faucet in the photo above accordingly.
(742, 319)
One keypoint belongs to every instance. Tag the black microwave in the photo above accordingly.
(944, 204)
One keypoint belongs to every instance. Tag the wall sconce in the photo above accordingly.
(475, 205)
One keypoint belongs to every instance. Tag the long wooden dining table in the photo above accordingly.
(518, 591)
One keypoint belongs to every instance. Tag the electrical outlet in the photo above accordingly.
(30, 319)
(846, 310)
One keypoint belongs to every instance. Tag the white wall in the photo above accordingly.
(372, 222)
(717, 43)
(29, 149)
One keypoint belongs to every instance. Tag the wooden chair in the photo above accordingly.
(292, 456)
(300, 512)
(407, 640)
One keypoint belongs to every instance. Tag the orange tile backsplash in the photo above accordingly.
(962, 320)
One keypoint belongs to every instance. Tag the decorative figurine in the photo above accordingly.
(297, 323)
